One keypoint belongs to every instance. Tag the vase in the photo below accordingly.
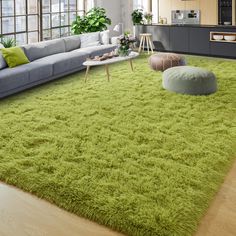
(123, 52)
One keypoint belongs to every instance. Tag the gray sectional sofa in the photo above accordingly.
(50, 60)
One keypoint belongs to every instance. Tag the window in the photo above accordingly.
(29, 21)
(148, 6)
(19, 19)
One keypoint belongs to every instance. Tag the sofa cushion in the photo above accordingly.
(90, 39)
(72, 42)
(3, 63)
(98, 50)
(65, 62)
(11, 78)
(43, 49)
(38, 70)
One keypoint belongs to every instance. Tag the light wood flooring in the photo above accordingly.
(22, 214)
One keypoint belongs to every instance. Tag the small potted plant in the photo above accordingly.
(137, 16)
(148, 17)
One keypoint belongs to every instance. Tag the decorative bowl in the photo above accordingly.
(218, 37)
(230, 37)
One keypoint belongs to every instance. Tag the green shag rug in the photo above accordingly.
(126, 154)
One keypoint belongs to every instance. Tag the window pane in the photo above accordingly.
(7, 25)
(64, 31)
(64, 5)
(46, 34)
(33, 37)
(72, 5)
(55, 20)
(21, 39)
(72, 17)
(32, 23)
(46, 21)
(20, 23)
(20, 7)
(155, 11)
(32, 6)
(46, 6)
(55, 5)
(56, 33)
(7, 7)
(64, 19)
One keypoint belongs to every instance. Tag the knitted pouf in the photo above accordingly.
(164, 61)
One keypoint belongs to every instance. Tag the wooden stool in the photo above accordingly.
(146, 38)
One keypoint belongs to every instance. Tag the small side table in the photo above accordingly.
(146, 38)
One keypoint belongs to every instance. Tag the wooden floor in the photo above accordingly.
(22, 214)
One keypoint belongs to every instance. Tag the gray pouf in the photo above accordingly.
(189, 80)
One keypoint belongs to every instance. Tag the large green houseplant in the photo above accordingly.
(95, 20)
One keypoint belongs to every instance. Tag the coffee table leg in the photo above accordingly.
(86, 75)
(131, 65)
(107, 71)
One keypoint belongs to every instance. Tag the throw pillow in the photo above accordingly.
(3, 63)
(105, 37)
(14, 56)
(90, 39)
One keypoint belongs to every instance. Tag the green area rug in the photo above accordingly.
(126, 154)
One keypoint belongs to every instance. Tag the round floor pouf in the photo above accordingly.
(163, 61)
(189, 80)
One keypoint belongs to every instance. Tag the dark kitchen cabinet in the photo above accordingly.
(199, 40)
(179, 39)
(223, 49)
(161, 37)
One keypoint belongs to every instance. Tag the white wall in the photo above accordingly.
(126, 11)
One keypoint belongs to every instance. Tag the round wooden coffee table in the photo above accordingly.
(106, 63)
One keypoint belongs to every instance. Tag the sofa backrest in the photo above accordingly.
(43, 49)
(72, 42)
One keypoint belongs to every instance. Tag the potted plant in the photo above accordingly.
(95, 20)
(7, 42)
(148, 16)
(125, 41)
(137, 16)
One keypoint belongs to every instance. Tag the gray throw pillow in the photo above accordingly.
(90, 39)
(3, 63)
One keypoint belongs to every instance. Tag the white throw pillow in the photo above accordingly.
(105, 37)
(90, 39)
(1, 46)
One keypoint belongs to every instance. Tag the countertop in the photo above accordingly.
(198, 26)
